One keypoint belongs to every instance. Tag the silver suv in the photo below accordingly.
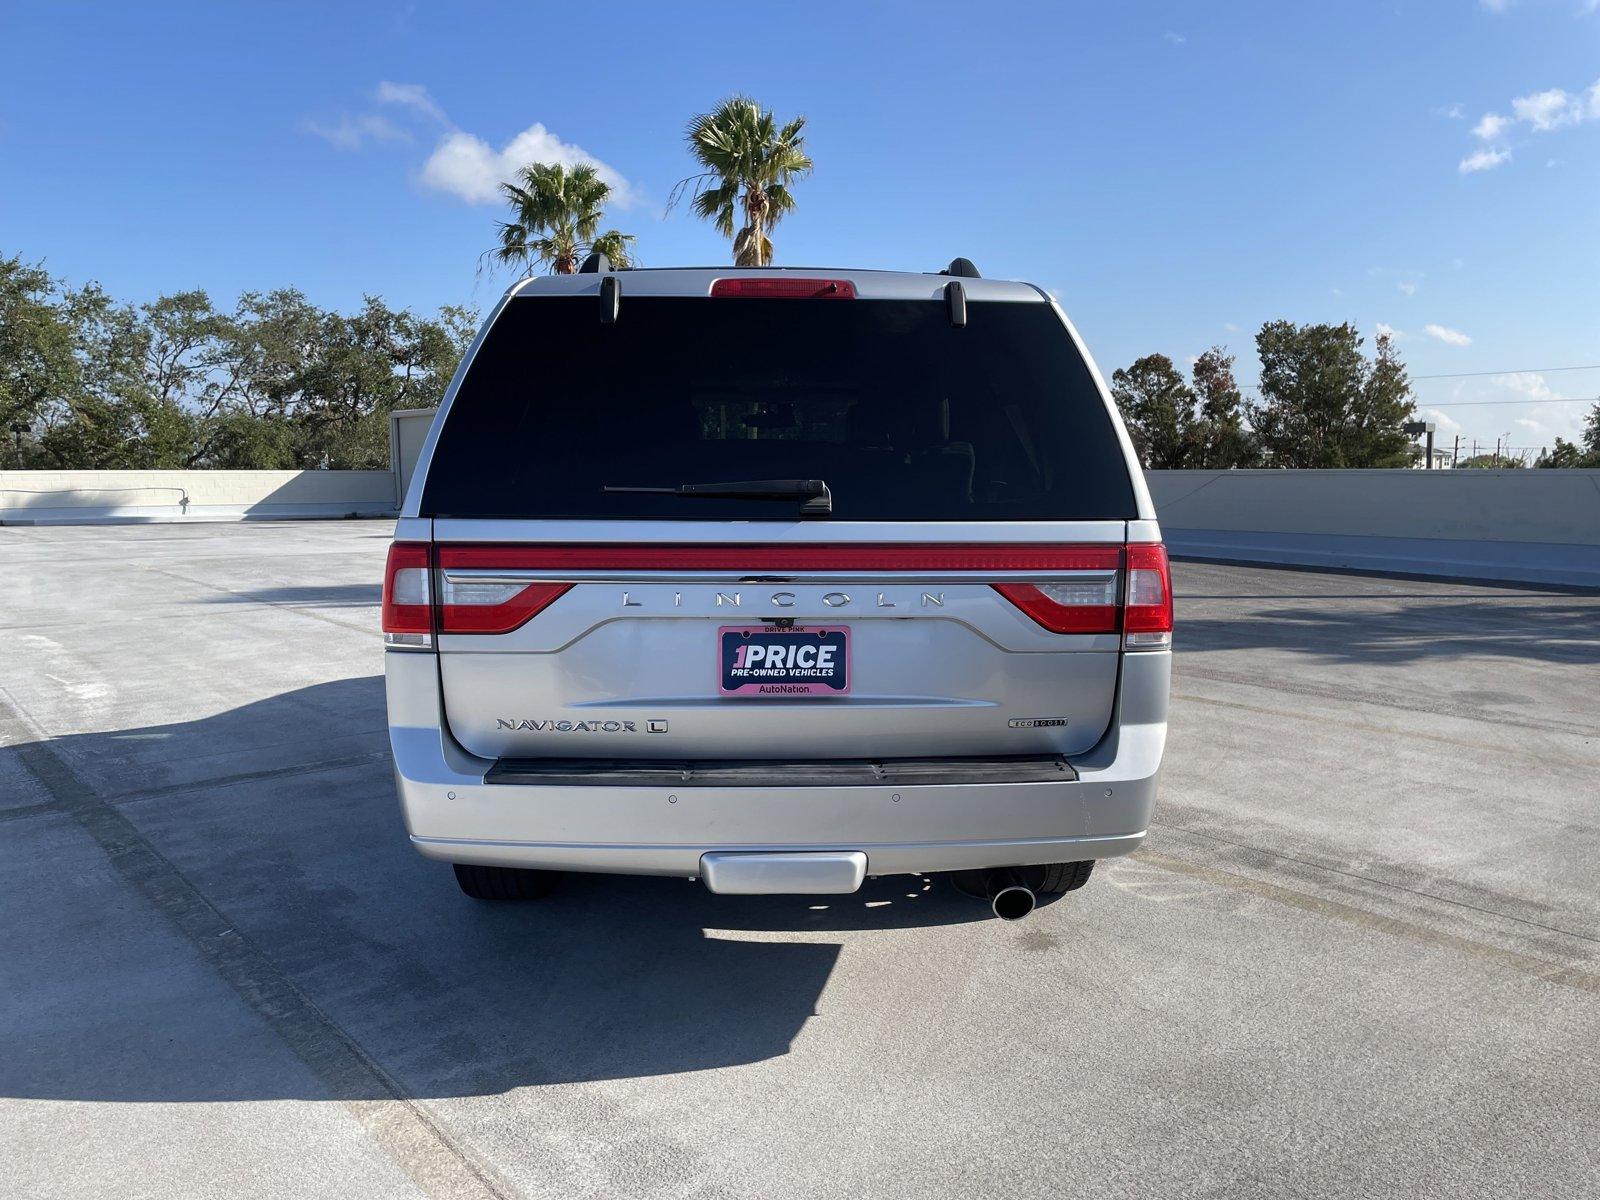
(778, 579)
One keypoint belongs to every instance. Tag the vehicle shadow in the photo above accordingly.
(305, 858)
(1554, 631)
(343, 595)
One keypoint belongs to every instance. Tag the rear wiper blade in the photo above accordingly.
(815, 498)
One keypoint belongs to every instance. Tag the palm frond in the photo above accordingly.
(618, 247)
(741, 145)
(555, 211)
(716, 205)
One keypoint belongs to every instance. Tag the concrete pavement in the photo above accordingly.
(1358, 957)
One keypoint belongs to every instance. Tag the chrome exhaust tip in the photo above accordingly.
(1010, 900)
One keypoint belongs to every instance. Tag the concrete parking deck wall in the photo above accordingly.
(1523, 525)
(1519, 525)
(73, 496)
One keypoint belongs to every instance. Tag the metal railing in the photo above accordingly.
(183, 495)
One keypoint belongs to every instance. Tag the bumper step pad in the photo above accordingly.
(852, 772)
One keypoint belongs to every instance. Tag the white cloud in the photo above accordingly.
(1490, 126)
(1447, 424)
(409, 95)
(1177, 39)
(1495, 6)
(1483, 160)
(1535, 426)
(1384, 329)
(1538, 112)
(1455, 112)
(1548, 110)
(352, 132)
(1530, 384)
(1406, 287)
(1450, 337)
(1232, 328)
(465, 165)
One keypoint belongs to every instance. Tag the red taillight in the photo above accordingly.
(407, 598)
(479, 607)
(1147, 614)
(1068, 606)
(1090, 604)
(784, 289)
(754, 559)
(473, 600)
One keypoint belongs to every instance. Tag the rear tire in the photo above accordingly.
(504, 883)
(1064, 877)
(1050, 879)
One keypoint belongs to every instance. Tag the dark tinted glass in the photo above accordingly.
(906, 417)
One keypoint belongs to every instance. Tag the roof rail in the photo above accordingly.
(963, 268)
(595, 264)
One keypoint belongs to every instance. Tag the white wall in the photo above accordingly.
(1528, 526)
(52, 496)
(408, 430)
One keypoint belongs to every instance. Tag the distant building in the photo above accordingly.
(1442, 459)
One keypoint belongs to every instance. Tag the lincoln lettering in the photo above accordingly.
(787, 599)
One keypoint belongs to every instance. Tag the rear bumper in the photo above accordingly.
(453, 815)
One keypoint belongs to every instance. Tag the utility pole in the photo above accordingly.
(1455, 452)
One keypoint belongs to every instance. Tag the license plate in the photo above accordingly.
(768, 660)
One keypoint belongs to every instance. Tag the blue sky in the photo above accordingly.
(1176, 173)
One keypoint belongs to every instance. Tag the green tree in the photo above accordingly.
(1564, 454)
(278, 382)
(110, 416)
(1591, 437)
(555, 220)
(1491, 462)
(749, 163)
(1158, 407)
(37, 362)
(1219, 436)
(1324, 404)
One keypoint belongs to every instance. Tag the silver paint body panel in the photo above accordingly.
(625, 667)
(797, 873)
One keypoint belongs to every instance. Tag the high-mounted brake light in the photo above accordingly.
(784, 289)
(407, 598)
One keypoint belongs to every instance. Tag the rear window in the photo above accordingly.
(904, 416)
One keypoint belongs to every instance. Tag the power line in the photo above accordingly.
(1523, 400)
(1256, 387)
(1525, 371)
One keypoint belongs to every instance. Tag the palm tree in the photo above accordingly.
(555, 212)
(749, 162)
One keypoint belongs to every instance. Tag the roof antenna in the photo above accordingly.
(963, 268)
(596, 264)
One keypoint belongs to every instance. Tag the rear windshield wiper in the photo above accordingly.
(815, 498)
